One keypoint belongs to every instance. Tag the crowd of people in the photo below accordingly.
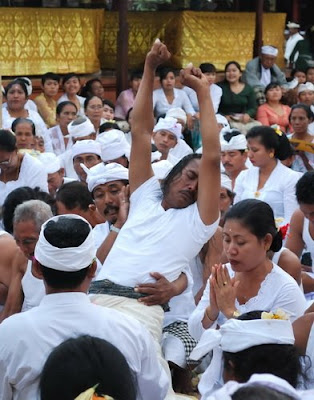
(162, 238)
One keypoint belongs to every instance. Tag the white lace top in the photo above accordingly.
(278, 290)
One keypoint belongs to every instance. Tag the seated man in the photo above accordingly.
(65, 260)
(114, 147)
(87, 152)
(46, 103)
(306, 96)
(262, 70)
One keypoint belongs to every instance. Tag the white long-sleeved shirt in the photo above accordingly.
(215, 94)
(181, 100)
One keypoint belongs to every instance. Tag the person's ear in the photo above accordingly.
(36, 269)
(268, 239)
(92, 270)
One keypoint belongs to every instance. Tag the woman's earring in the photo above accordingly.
(271, 155)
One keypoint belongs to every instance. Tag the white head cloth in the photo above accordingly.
(28, 84)
(222, 120)
(304, 87)
(68, 259)
(162, 168)
(86, 147)
(82, 129)
(177, 113)
(234, 336)
(236, 142)
(226, 182)
(169, 124)
(269, 50)
(50, 161)
(101, 174)
(293, 25)
(265, 380)
(113, 145)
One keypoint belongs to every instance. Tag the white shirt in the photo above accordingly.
(265, 76)
(180, 150)
(81, 100)
(26, 340)
(278, 290)
(181, 100)
(215, 94)
(278, 191)
(155, 240)
(290, 45)
(308, 240)
(29, 105)
(57, 140)
(31, 174)
(33, 289)
(66, 161)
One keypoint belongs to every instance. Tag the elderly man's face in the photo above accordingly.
(107, 201)
(267, 60)
(26, 236)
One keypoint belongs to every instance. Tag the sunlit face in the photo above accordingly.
(233, 161)
(98, 89)
(183, 189)
(211, 77)
(67, 115)
(307, 97)
(51, 87)
(243, 249)
(233, 74)
(16, 98)
(310, 75)
(257, 153)
(308, 211)
(169, 81)
(106, 198)
(274, 94)
(267, 60)
(301, 76)
(94, 109)
(24, 136)
(72, 86)
(108, 113)
(55, 180)
(89, 160)
(135, 84)
(164, 141)
(299, 121)
(26, 236)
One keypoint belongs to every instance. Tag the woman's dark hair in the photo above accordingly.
(295, 71)
(87, 89)
(19, 196)
(7, 141)
(259, 392)
(309, 67)
(271, 140)
(235, 63)
(17, 82)
(18, 121)
(258, 217)
(164, 72)
(305, 188)
(208, 68)
(136, 74)
(302, 106)
(88, 99)
(270, 86)
(106, 126)
(69, 76)
(281, 360)
(176, 171)
(81, 363)
(109, 103)
(63, 104)
(50, 76)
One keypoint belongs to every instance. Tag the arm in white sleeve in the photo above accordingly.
(239, 187)
(195, 321)
(186, 103)
(289, 199)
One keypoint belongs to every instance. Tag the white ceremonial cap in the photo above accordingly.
(80, 127)
(237, 142)
(222, 120)
(50, 161)
(28, 84)
(291, 24)
(113, 145)
(177, 113)
(307, 86)
(226, 182)
(67, 259)
(169, 124)
(269, 50)
(86, 147)
(104, 173)
(162, 168)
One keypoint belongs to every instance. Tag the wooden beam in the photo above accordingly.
(295, 11)
(258, 40)
(122, 48)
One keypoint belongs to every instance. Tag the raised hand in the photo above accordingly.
(158, 54)
(124, 205)
(193, 78)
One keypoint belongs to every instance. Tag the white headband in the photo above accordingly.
(68, 259)
(303, 87)
(269, 50)
(293, 25)
(177, 113)
(222, 120)
(83, 129)
(50, 161)
(235, 143)
(113, 145)
(86, 147)
(226, 182)
(28, 84)
(169, 124)
(101, 174)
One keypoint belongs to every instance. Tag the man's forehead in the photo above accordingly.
(107, 185)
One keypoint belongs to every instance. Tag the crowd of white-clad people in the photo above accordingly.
(161, 247)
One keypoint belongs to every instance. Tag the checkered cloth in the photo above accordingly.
(180, 330)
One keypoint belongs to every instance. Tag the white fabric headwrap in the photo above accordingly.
(293, 25)
(265, 380)
(101, 174)
(113, 145)
(226, 182)
(83, 129)
(69, 259)
(222, 120)
(50, 161)
(269, 50)
(234, 336)
(169, 124)
(177, 113)
(28, 84)
(86, 147)
(162, 168)
(236, 142)
(303, 87)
